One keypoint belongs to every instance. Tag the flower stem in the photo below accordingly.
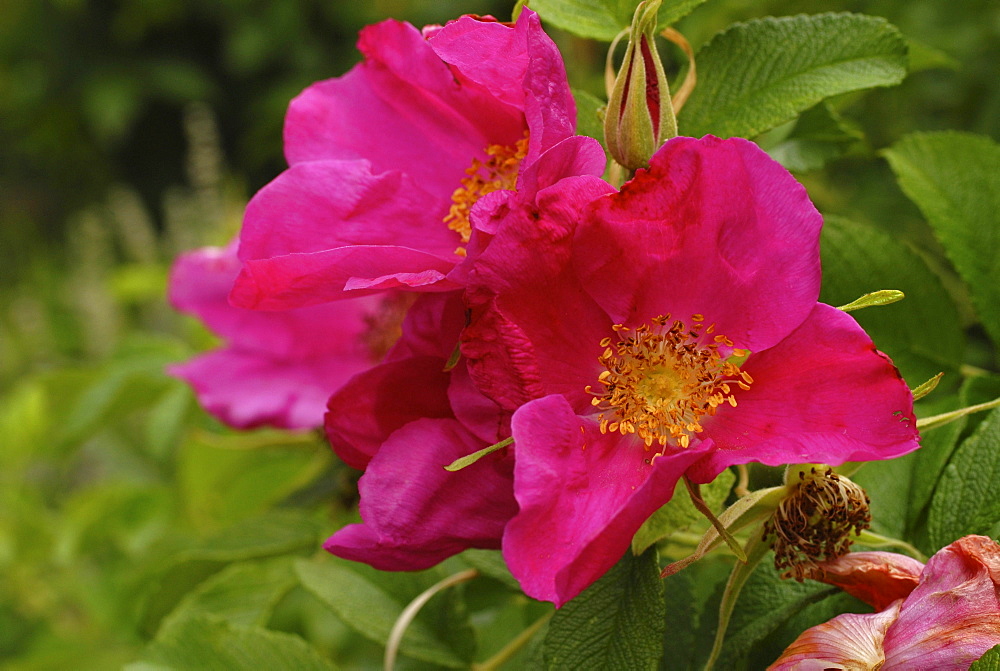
(878, 540)
(513, 647)
(411, 610)
(933, 422)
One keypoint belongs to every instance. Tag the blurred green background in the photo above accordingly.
(131, 130)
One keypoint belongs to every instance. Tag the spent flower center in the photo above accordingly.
(497, 172)
(663, 378)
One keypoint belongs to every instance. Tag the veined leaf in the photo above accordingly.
(603, 19)
(757, 75)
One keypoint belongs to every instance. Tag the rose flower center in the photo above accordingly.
(661, 379)
(497, 172)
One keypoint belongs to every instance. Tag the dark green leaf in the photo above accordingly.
(240, 594)
(758, 75)
(922, 332)
(205, 643)
(954, 178)
(818, 136)
(988, 662)
(589, 119)
(616, 623)
(966, 500)
(372, 611)
(679, 513)
(256, 538)
(603, 19)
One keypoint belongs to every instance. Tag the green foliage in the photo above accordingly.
(922, 333)
(679, 513)
(796, 62)
(965, 501)
(205, 643)
(955, 180)
(988, 662)
(616, 623)
(604, 19)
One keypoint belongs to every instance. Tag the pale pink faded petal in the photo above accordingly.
(824, 395)
(713, 227)
(415, 513)
(851, 642)
(877, 578)
(369, 407)
(276, 368)
(582, 496)
(953, 616)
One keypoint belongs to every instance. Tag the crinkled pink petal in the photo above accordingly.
(713, 227)
(542, 332)
(824, 394)
(851, 642)
(582, 496)
(953, 616)
(372, 405)
(415, 513)
(877, 578)
(277, 368)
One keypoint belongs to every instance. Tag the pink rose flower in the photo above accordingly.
(403, 422)
(276, 368)
(668, 329)
(388, 161)
(945, 615)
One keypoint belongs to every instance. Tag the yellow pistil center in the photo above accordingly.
(662, 379)
(497, 172)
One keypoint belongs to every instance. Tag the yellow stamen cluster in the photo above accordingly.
(661, 380)
(497, 172)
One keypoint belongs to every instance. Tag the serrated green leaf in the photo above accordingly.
(616, 623)
(679, 513)
(988, 662)
(936, 448)
(240, 594)
(954, 178)
(758, 75)
(766, 602)
(603, 19)
(679, 642)
(205, 643)
(922, 333)
(370, 610)
(966, 501)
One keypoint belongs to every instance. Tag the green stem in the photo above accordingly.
(933, 422)
(470, 459)
(411, 610)
(878, 540)
(513, 647)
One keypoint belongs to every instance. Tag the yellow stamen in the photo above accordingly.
(660, 381)
(497, 172)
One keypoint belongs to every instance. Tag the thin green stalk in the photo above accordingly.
(509, 650)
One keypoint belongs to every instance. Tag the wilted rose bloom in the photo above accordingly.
(668, 329)
(388, 161)
(945, 615)
(275, 368)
